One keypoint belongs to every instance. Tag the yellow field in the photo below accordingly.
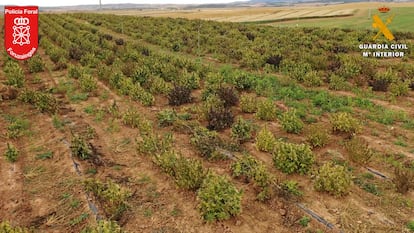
(257, 14)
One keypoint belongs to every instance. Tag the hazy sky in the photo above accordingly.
(83, 2)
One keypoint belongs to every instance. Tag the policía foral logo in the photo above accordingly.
(21, 31)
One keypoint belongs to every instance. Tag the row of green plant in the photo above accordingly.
(285, 155)
(320, 99)
(299, 158)
(218, 198)
(251, 169)
(14, 73)
(250, 46)
(112, 197)
(6, 227)
(43, 101)
(136, 76)
(103, 226)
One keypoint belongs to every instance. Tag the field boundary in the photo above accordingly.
(295, 18)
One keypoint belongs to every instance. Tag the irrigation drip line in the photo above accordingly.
(377, 173)
(317, 217)
(91, 205)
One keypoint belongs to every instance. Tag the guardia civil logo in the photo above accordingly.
(21, 31)
(383, 49)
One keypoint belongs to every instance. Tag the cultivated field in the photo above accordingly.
(402, 20)
(149, 124)
(349, 15)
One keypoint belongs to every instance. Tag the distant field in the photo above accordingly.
(403, 20)
(350, 15)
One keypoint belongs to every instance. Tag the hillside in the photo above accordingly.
(153, 124)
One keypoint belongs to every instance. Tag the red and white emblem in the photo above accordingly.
(21, 31)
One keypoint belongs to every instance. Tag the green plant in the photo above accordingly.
(304, 221)
(350, 67)
(55, 54)
(188, 173)
(104, 226)
(399, 88)
(266, 110)
(241, 130)
(295, 70)
(27, 96)
(358, 150)
(11, 153)
(99, 115)
(17, 127)
(248, 103)
(219, 198)
(166, 117)
(176, 212)
(205, 141)
(291, 123)
(89, 60)
(148, 212)
(179, 95)
(44, 102)
(290, 157)
(371, 188)
(113, 110)
(338, 83)
(211, 102)
(365, 185)
(14, 73)
(343, 122)
(5, 227)
(408, 124)
(131, 118)
(157, 85)
(400, 142)
(74, 71)
(78, 219)
(36, 64)
(90, 109)
(250, 168)
(189, 79)
(87, 83)
(410, 225)
(312, 79)
(91, 171)
(316, 135)
(243, 80)
(153, 143)
(382, 80)
(111, 196)
(334, 179)
(265, 140)
(45, 155)
(140, 94)
(290, 187)
(57, 123)
(80, 148)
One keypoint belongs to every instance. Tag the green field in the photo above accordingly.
(403, 20)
